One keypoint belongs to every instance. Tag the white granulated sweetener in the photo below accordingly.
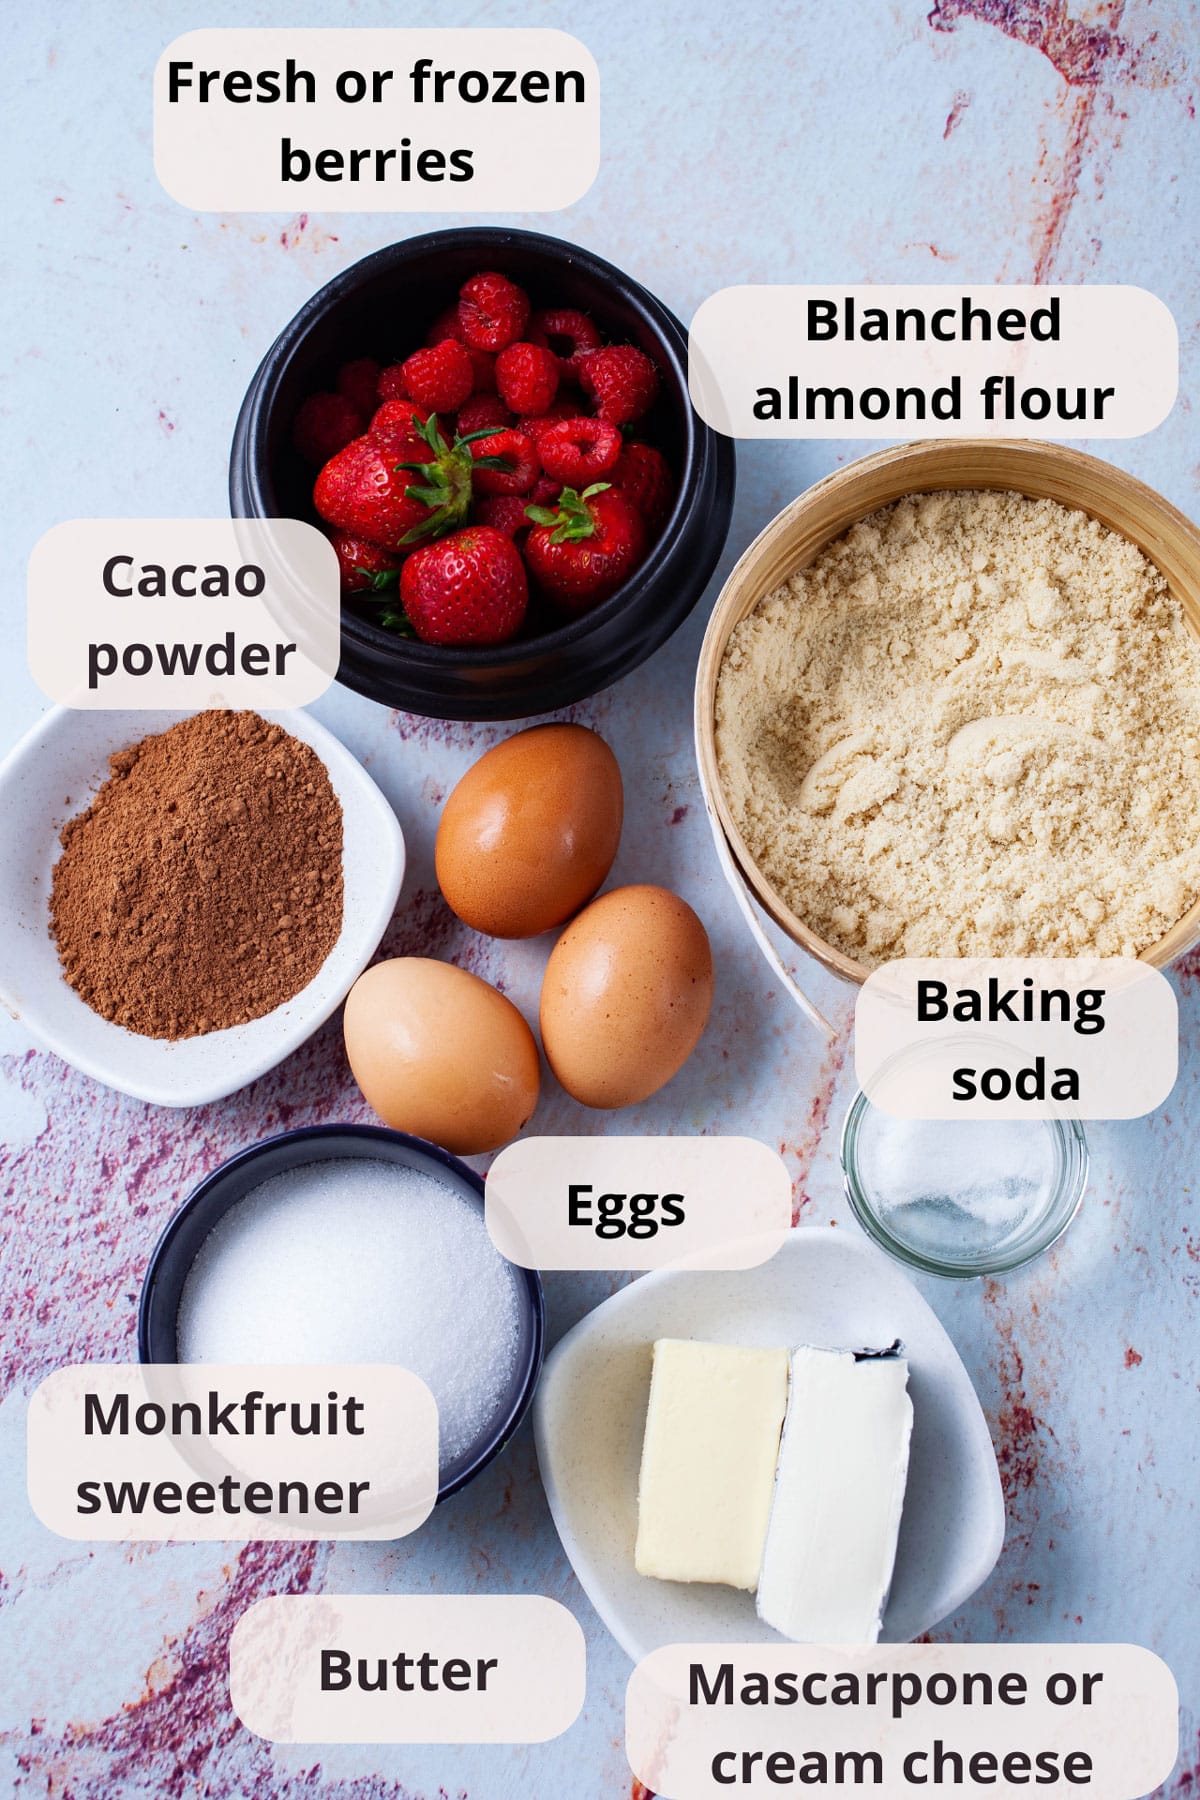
(360, 1261)
(970, 727)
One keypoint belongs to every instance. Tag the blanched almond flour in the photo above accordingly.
(971, 726)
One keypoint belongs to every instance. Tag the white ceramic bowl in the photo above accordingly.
(66, 754)
(824, 1287)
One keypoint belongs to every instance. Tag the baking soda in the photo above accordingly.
(361, 1261)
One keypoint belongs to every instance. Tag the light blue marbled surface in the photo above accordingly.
(802, 142)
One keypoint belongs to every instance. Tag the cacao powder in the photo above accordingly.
(202, 887)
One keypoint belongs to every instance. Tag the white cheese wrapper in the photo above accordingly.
(839, 1495)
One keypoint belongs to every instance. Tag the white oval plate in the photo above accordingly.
(47, 779)
(824, 1287)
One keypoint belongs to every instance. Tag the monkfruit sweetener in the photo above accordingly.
(970, 727)
(360, 1260)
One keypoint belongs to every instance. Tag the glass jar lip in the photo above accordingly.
(1071, 1185)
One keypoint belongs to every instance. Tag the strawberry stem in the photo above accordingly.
(572, 520)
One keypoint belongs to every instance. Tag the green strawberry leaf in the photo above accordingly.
(399, 622)
(379, 579)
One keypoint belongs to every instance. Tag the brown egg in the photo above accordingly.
(531, 831)
(441, 1054)
(626, 996)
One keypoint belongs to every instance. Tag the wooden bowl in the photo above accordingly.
(793, 539)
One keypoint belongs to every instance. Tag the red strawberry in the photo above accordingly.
(533, 425)
(440, 377)
(492, 311)
(481, 412)
(396, 427)
(644, 476)
(445, 326)
(527, 377)
(324, 425)
(359, 382)
(621, 380)
(506, 462)
(468, 588)
(361, 491)
(569, 334)
(583, 551)
(364, 567)
(391, 383)
(504, 512)
(580, 450)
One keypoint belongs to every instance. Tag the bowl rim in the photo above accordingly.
(1072, 1187)
(914, 454)
(208, 1190)
(700, 440)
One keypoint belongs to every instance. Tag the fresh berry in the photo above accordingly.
(391, 383)
(644, 476)
(544, 492)
(483, 412)
(579, 451)
(569, 334)
(492, 311)
(445, 326)
(484, 365)
(533, 425)
(580, 553)
(324, 425)
(440, 377)
(364, 568)
(621, 381)
(396, 427)
(468, 588)
(506, 462)
(359, 382)
(361, 491)
(506, 513)
(527, 377)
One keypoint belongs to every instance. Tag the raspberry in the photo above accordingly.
(445, 326)
(544, 492)
(516, 456)
(439, 377)
(481, 411)
(324, 425)
(644, 476)
(579, 451)
(359, 383)
(492, 311)
(484, 365)
(527, 377)
(533, 425)
(504, 512)
(621, 380)
(569, 334)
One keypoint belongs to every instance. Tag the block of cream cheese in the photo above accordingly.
(708, 1461)
(839, 1494)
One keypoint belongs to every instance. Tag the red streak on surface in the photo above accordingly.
(1132, 1357)
(1076, 50)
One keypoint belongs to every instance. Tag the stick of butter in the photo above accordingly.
(839, 1494)
(708, 1461)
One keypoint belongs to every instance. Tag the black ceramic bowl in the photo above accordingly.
(179, 1244)
(382, 307)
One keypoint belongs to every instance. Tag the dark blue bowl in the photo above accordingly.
(380, 307)
(206, 1205)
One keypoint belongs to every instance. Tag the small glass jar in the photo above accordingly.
(962, 1197)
